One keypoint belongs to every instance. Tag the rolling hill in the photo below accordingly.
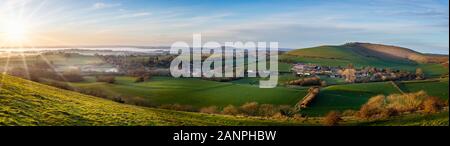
(27, 103)
(366, 54)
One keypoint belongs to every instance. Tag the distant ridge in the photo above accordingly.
(397, 52)
(368, 53)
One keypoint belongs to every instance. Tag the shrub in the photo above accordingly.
(389, 112)
(279, 116)
(73, 75)
(230, 110)
(250, 108)
(267, 110)
(406, 102)
(142, 78)
(310, 81)
(177, 107)
(286, 110)
(349, 113)
(332, 119)
(383, 107)
(139, 101)
(209, 110)
(432, 105)
(61, 85)
(117, 99)
(139, 80)
(18, 72)
(106, 79)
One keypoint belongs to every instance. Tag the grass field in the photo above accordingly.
(196, 92)
(201, 93)
(347, 97)
(437, 88)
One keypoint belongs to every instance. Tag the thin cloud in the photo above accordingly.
(133, 15)
(101, 5)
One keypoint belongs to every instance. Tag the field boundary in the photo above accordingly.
(397, 87)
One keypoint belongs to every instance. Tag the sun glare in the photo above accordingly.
(16, 31)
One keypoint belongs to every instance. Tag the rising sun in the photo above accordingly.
(15, 31)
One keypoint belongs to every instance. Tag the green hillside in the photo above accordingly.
(360, 57)
(437, 88)
(27, 103)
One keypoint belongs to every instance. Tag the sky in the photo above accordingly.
(422, 25)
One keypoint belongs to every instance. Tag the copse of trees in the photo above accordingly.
(252, 109)
(72, 75)
(106, 79)
(311, 81)
(35, 71)
(332, 118)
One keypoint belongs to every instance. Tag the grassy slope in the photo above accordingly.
(342, 56)
(27, 103)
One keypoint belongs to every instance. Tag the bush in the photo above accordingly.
(61, 85)
(139, 101)
(178, 107)
(311, 81)
(209, 110)
(250, 108)
(286, 110)
(267, 110)
(349, 113)
(73, 75)
(389, 112)
(332, 119)
(18, 72)
(383, 107)
(279, 116)
(106, 79)
(432, 105)
(406, 102)
(230, 110)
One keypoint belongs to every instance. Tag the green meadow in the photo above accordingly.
(196, 92)
(437, 88)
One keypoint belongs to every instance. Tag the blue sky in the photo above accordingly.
(422, 25)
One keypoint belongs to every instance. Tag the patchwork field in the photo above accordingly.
(196, 92)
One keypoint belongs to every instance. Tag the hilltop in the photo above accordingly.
(24, 102)
(367, 54)
(387, 51)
